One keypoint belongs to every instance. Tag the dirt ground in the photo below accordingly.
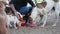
(48, 29)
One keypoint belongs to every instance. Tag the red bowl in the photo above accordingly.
(22, 24)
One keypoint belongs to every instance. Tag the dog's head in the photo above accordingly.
(41, 5)
(2, 4)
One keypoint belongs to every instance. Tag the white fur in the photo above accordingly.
(57, 11)
(14, 19)
(50, 5)
(36, 16)
(48, 8)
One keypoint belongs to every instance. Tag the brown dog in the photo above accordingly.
(3, 18)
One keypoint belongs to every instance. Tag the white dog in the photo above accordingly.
(36, 12)
(57, 11)
(12, 21)
(50, 5)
